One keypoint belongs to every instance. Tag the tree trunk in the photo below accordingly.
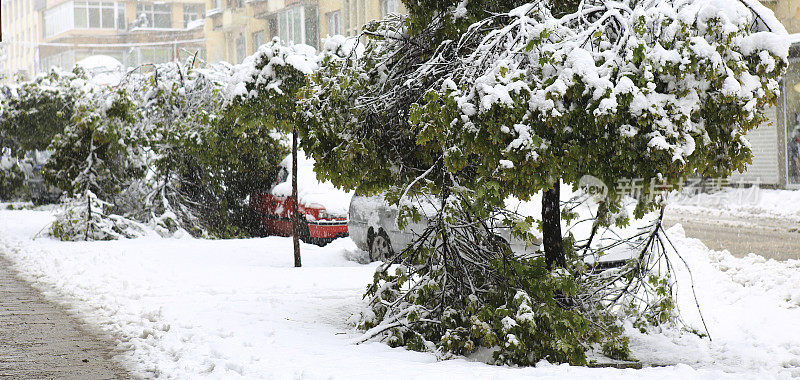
(295, 212)
(551, 227)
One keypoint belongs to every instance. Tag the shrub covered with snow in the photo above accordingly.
(86, 217)
(33, 112)
(95, 159)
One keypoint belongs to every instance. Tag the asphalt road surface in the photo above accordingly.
(40, 340)
(771, 237)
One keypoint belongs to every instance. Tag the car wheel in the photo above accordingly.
(380, 248)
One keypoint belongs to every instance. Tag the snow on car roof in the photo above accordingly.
(103, 70)
(100, 62)
(310, 190)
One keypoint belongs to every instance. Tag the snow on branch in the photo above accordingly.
(654, 64)
(261, 68)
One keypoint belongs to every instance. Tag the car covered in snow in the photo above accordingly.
(323, 207)
(103, 70)
(373, 227)
(41, 191)
(32, 166)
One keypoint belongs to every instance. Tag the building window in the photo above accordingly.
(290, 26)
(156, 55)
(362, 13)
(121, 23)
(240, 48)
(334, 23)
(83, 15)
(158, 16)
(259, 38)
(96, 15)
(346, 14)
(355, 15)
(388, 7)
(64, 60)
(191, 12)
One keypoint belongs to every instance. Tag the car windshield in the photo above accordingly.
(283, 175)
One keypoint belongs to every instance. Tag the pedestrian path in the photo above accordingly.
(40, 340)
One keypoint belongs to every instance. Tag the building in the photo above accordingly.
(133, 32)
(18, 51)
(776, 143)
(39, 34)
(236, 28)
(233, 27)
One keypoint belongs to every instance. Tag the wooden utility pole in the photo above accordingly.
(295, 213)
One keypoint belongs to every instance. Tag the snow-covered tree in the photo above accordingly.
(33, 112)
(87, 217)
(94, 159)
(206, 152)
(265, 90)
(176, 105)
(648, 90)
(95, 150)
(476, 101)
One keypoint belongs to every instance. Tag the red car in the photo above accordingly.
(322, 207)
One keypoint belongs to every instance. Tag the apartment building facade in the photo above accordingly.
(40, 34)
(236, 28)
(133, 32)
(20, 28)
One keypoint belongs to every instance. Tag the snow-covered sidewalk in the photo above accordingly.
(187, 308)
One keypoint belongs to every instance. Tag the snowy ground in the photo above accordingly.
(742, 202)
(186, 308)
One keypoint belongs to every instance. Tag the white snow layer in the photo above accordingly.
(743, 201)
(100, 62)
(230, 309)
(269, 57)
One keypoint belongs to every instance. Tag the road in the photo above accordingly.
(40, 340)
(771, 237)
